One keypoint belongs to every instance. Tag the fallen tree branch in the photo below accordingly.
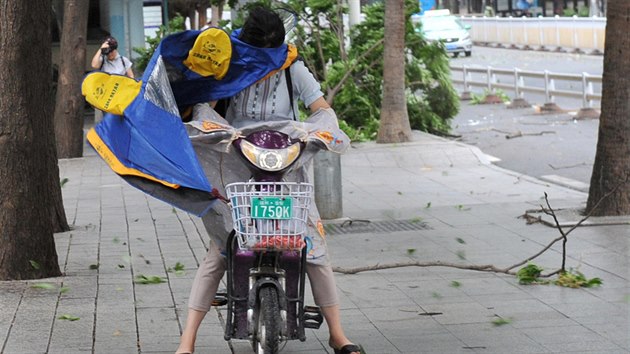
(489, 267)
(519, 134)
(481, 268)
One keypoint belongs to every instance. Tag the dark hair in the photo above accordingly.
(113, 43)
(263, 28)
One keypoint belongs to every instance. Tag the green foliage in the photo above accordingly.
(174, 25)
(583, 11)
(69, 318)
(481, 99)
(571, 279)
(575, 279)
(529, 274)
(352, 75)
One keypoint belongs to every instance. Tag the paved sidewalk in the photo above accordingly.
(428, 200)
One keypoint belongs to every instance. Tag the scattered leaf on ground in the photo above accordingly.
(178, 269)
(94, 266)
(428, 205)
(151, 279)
(69, 318)
(436, 295)
(416, 220)
(45, 286)
(529, 275)
(116, 240)
(461, 254)
(575, 279)
(456, 284)
(500, 321)
(411, 251)
(460, 240)
(64, 289)
(63, 182)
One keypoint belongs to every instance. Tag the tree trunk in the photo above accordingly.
(202, 9)
(395, 127)
(27, 144)
(217, 14)
(611, 170)
(70, 103)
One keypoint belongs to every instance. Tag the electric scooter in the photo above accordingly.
(266, 257)
(273, 220)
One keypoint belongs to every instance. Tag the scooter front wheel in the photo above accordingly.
(267, 336)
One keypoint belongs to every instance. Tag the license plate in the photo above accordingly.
(451, 46)
(271, 208)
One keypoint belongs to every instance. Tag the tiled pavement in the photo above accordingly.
(469, 212)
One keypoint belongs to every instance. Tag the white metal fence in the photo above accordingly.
(584, 87)
(577, 33)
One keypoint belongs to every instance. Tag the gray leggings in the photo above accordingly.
(213, 266)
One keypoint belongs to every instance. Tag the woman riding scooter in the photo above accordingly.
(268, 100)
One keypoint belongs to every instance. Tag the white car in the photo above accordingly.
(441, 26)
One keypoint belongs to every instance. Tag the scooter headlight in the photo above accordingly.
(270, 159)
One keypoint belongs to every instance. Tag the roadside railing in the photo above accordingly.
(585, 34)
(584, 87)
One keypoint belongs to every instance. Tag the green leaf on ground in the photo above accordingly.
(411, 251)
(575, 279)
(45, 286)
(456, 284)
(461, 254)
(116, 240)
(63, 182)
(69, 318)
(178, 269)
(94, 266)
(428, 205)
(436, 295)
(529, 275)
(460, 240)
(416, 220)
(151, 279)
(64, 289)
(500, 321)
(34, 264)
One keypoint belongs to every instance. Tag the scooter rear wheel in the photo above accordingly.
(267, 336)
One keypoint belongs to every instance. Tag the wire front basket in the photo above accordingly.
(270, 215)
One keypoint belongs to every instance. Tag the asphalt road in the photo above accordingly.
(539, 145)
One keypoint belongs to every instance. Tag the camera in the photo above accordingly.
(106, 51)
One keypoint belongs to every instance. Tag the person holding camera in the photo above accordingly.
(107, 59)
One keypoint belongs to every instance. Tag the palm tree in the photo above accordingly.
(395, 127)
(69, 102)
(29, 175)
(611, 171)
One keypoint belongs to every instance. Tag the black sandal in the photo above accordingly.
(348, 349)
